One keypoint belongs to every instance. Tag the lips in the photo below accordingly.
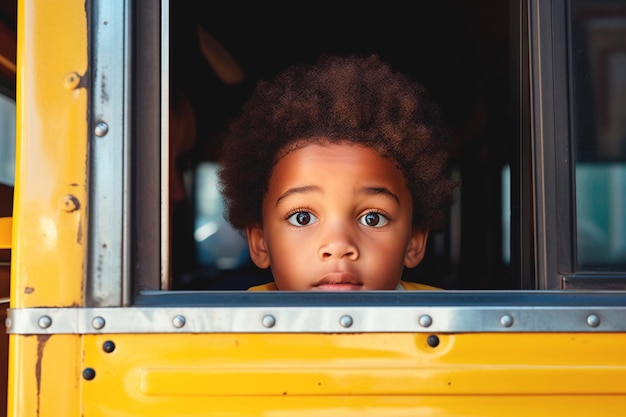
(338, 281)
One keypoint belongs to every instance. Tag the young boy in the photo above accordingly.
(337, 171)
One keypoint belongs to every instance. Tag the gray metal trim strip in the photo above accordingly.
(348, 319)
(108, 266)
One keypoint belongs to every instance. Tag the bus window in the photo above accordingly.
(8, 45)
(459, 51)
(599, 92)
(7, 141)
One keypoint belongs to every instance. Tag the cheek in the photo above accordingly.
(393, 252)
(291, 262)
(287, 246)
(392, 248)
(288, 250)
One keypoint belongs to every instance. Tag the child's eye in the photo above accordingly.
(301, 218)
(373, 219)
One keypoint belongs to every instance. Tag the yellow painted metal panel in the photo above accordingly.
(356, 374)
(49, 210)
(44, 376)
(49, 216)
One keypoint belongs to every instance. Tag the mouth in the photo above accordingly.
(338, 281)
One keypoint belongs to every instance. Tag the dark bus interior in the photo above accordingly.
(463, 52)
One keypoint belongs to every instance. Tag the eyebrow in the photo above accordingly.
(297, 190)
(380, 191)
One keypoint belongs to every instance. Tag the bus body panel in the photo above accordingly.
(49, 217)
(49, 222)
(44, 376)
(93, 374)
(515, 374)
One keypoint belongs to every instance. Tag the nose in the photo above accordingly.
(338, 243)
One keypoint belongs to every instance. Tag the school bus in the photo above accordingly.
(121, 301)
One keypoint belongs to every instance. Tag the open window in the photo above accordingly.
(462, 53)
(518, 84)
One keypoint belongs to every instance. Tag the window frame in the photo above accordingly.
(553, 138)
(545, 230)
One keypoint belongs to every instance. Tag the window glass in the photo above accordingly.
(219, 245)
(7, 140)
(599, 126)
(506, 214)
(221, 251)
(601, 203)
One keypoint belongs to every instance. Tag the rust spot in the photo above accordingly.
(29, 290)
(69, 203)
(79, 236)
(42, 339)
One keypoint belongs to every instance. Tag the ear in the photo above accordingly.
(416, 248)
(257, 246)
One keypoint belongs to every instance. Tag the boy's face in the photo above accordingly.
(336, 217)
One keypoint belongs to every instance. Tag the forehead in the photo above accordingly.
(344, 160)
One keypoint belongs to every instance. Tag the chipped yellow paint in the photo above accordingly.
(48, 241)
(49, 245)
(44, 377)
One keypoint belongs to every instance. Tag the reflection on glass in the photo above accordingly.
(601, 217)
(7, 140)
(506, 214)
(218, 244)
(599, 131)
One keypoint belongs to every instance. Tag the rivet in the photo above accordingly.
(506, 320)
(89, 374)
(8, 323)
(44, 322)
(425, 320)
(108, 346)
(269, 321)
(593, 320)
(98, 323)
(71, 81)
(70, 203)
(101, 129)
(433, 340)
(346, 321)
(179, 321)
